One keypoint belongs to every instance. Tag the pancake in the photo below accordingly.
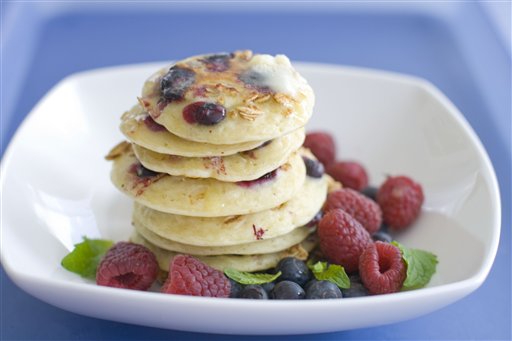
(204, 197)
(238, 229)
(238, 167)
(249, 98)
(256, 247)
(238, 262)
(141, 129)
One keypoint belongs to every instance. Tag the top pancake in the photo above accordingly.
(263, 96)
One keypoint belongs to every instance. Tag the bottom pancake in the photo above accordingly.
(248, 263)
(275, 244)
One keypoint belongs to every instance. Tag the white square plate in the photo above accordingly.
(56, 189)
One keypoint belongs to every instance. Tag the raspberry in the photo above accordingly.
(342, 239)
(322, 146)
(189, 276)
(351, 174)
(382, 269)
(129, 266)
(363, 209)
(400, 199)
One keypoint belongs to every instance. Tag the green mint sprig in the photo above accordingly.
(421, 266)
(250, 278)
(330, 272)
(86, 256)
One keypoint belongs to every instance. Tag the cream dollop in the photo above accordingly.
(277, 72)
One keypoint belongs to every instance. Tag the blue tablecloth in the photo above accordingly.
(451, 44)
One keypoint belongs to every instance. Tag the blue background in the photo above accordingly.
(453, 45)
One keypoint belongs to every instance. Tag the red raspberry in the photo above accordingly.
(189, 276)
(129, 266)
(322, 145)
(363, 209)
(400, 199)
(342, 239)
(382, 268)
(351, 174)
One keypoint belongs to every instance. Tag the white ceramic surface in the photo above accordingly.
(56, 189)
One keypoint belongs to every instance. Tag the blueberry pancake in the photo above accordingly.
(242, 166)
(271, 245)
(237, 229)
(204, 197)
(229, 98)
(141, 129)
(240, 262)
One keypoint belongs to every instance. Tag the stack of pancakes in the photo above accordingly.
(214, 162)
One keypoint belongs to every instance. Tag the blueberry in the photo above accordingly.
(287, 290)
(293, 269)
(264, 178)
(355, 278)
(322, 289)
(264, 144)
(370, 192)
(383, 227)
(314, 168)
(143, 172)
(204, 113)
(255, 80)
(316, 219)
(236, 288)
(356, 289)
(251, 77)
(268, 286)
(217, 62)
(308, 284)
(253, 291)
(382, 236)
(176, 81)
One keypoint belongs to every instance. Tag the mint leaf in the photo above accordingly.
(421, 265)
(316, 267)
(330, 272)
(85, 257)
(251, 278)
